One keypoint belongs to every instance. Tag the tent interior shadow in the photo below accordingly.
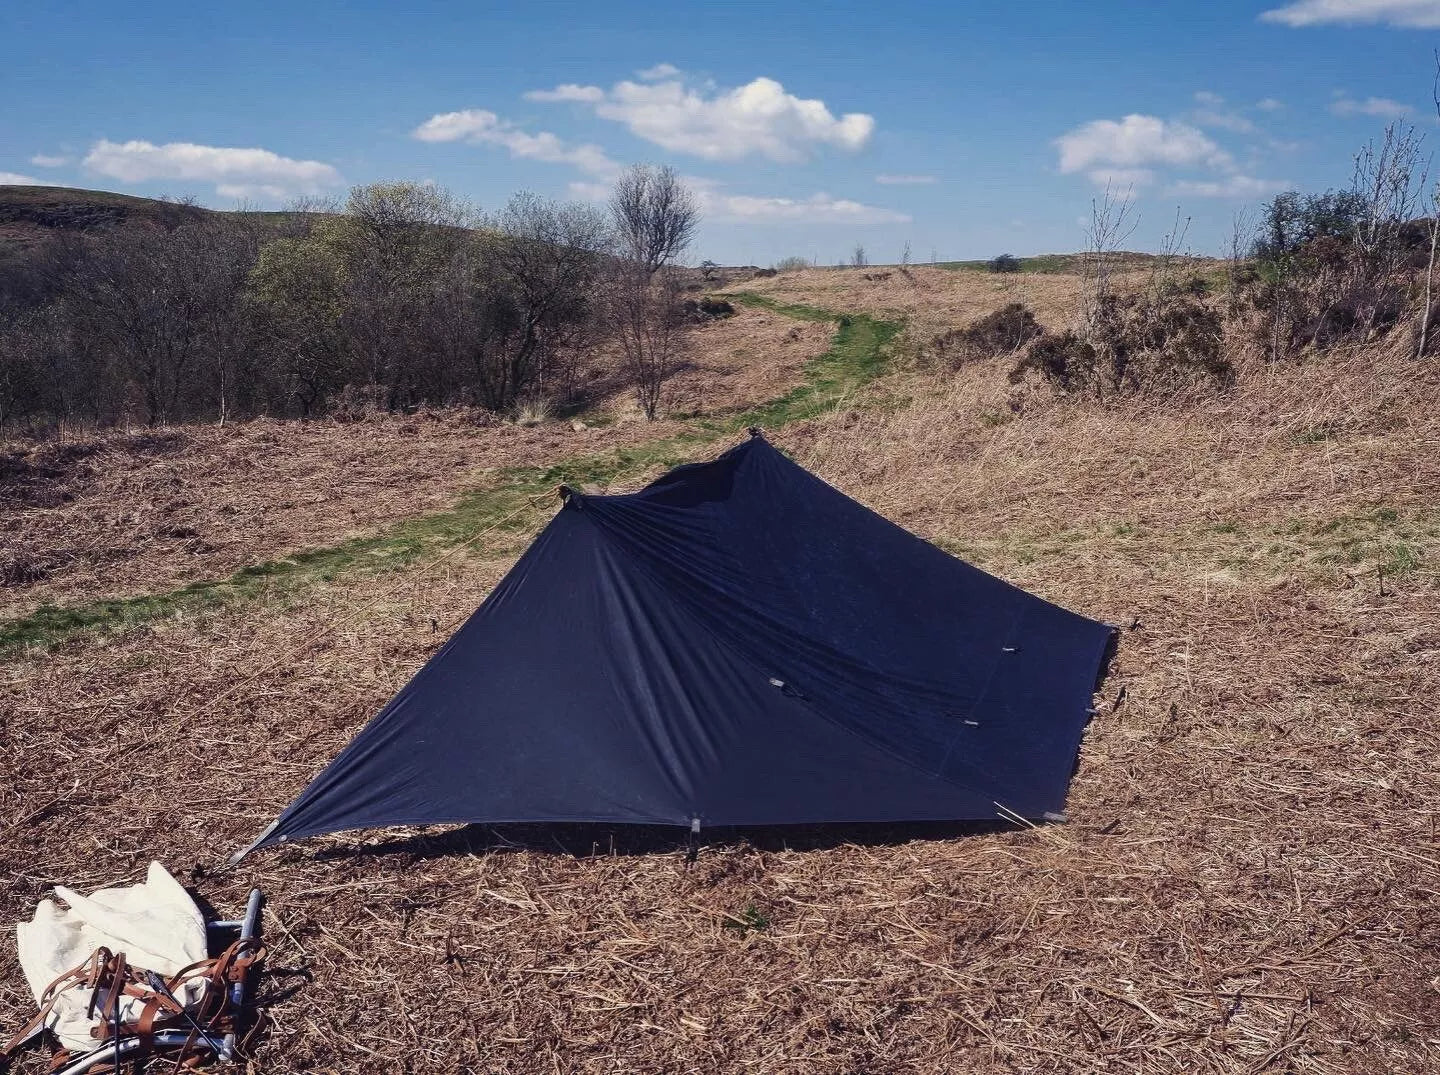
(594, 840)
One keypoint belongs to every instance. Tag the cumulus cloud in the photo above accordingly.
(481, 127)
(1140, 151)
(568, 92)
(236, 173)
(817, 209)
(1410, 14)
(659, 71)
(759, 118)
(1233, 186)
(45, 160)
(1383, 107)
(15, 179)
(1136, 143)
(1269, 104)
(905, 180)
(718, 204)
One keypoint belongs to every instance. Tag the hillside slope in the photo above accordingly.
(28, 214)
(1247, 881)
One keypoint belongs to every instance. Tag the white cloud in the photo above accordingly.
(1269, 104)
(659, 71)
(1209, 98)
(906, 180)
(1370, 106)
(817, 209)
(15, 179)
(1411, 14)
(718, 204)
(1136, 142)
(568, 92)
(759, 118)
(1234, 186)
(45, 160)
(236, 173)
(482, 127)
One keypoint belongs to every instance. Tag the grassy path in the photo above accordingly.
(516, 506)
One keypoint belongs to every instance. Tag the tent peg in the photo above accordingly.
(694, 850)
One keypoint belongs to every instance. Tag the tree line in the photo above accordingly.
(402, 296)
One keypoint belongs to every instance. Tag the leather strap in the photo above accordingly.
(111, 979)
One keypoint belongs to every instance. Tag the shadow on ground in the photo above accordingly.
(590, 840)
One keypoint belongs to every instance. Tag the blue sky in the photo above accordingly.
(966, 129)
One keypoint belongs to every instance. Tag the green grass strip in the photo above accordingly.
(506, 512)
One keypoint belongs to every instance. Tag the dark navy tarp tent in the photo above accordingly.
(736, 644)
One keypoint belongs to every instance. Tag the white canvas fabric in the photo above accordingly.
(155, 924)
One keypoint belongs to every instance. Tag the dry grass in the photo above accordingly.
(136, 512)
(1248, 882)
(931, 300)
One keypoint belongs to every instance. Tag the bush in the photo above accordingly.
(1337, 267)
(706, 309)
(1065, 361)
(1003, 332)
(792, 264)
(1159, 341)
(1004, 263)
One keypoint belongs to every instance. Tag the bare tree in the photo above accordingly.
(858, 260)
(655, 215)
(1242, 237)
(1390, 178)
(1433, 225)
(651, 327)
(1111, 226)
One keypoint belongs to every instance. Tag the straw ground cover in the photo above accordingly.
(1247, 881)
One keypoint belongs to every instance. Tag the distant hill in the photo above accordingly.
(27, 214)
(1124, 260)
